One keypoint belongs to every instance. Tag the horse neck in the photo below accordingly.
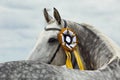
(95, 49)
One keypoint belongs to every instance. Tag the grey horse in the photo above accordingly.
(99, 53)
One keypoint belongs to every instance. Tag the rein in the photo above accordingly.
(54, 54)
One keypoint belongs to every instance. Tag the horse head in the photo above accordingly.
(48, 49)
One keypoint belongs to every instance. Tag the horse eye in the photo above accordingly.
(51, 40)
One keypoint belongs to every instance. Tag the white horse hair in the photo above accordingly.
(95, 47)
(99, 53)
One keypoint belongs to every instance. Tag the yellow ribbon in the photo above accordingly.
(78, 59)
(68, 60)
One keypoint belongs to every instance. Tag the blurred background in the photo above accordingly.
(21, 21)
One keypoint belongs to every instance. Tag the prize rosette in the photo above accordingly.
(67, 39)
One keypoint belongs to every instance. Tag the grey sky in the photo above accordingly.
(22, 20)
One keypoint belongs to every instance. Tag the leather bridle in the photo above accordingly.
(47, 29)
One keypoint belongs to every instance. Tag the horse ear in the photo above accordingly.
(47, 16)
(57, 16)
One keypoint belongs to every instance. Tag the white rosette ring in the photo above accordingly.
(67, 39)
